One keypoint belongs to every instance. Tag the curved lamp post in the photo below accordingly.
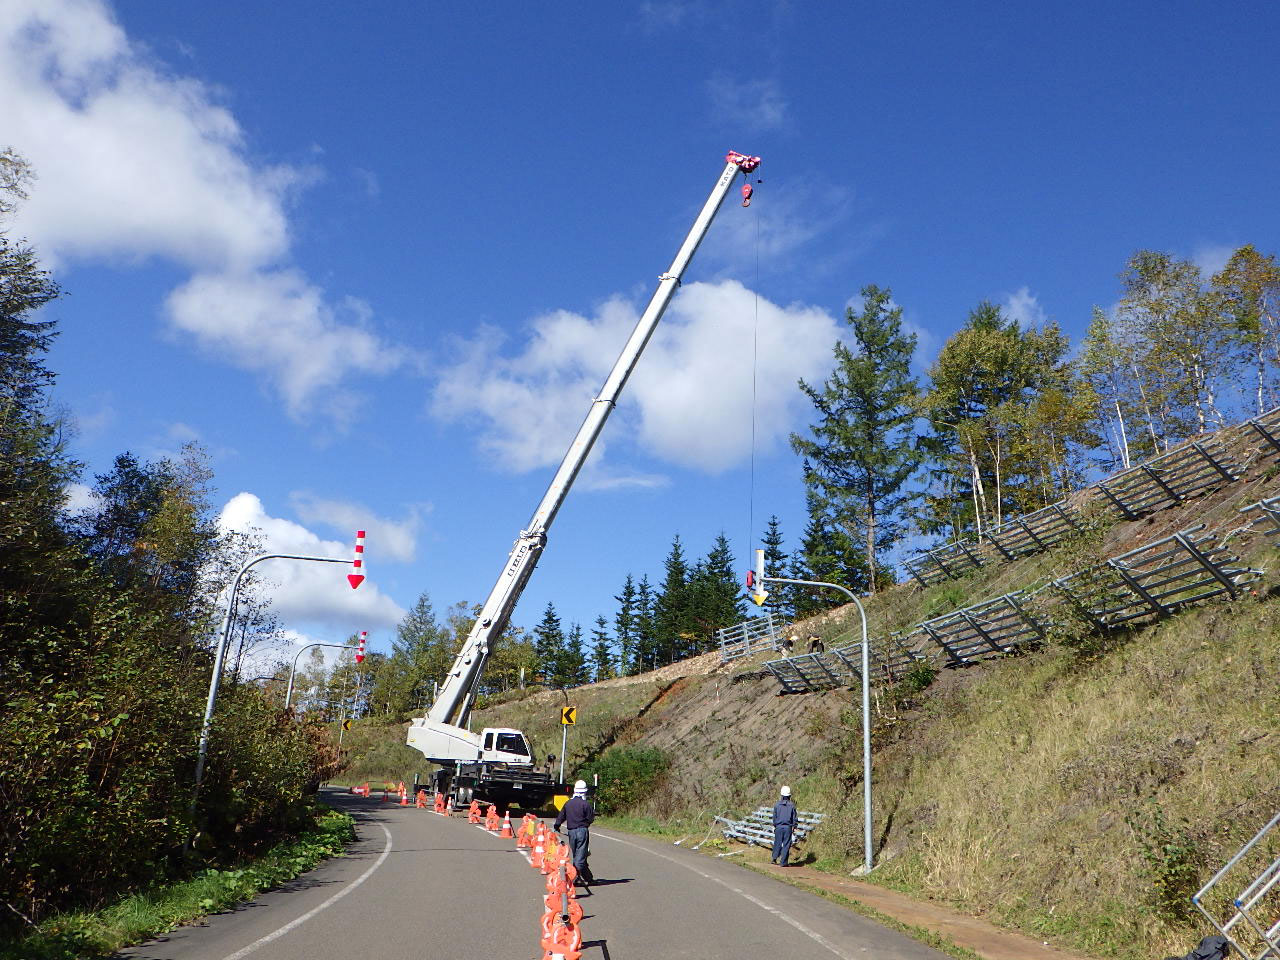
(288, 696)
(866, 704)
(225, 636)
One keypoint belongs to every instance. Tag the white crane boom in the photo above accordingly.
(439, 735)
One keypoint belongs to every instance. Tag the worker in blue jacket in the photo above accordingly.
(784, 825)
(578, 814)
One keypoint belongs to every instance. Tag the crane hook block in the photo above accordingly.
(745, 163)
(746, 194)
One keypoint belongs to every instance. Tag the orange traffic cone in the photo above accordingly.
(539, 848)
(473, 812)
(420, 801)
(506, 826)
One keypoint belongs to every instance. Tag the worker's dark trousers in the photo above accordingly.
(579, 849)
(781, 843)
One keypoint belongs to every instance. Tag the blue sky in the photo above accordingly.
(377, 257)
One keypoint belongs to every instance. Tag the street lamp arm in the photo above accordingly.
(288, 697)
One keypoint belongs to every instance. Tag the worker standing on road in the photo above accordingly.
(784, 824)
(578, 815)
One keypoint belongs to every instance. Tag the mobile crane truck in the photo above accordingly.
(497, 765)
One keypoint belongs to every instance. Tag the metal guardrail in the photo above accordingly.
(750, 636)
(1252, 917)
(1156, 579)
(757, 826)
(1190, 469)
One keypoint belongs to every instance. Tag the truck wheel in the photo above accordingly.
(462, 798)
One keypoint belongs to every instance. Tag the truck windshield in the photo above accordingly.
(512, 743)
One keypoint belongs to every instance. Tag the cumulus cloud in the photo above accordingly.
(689, 399)
(78, 498)
(1022, 305)
(310, 593)
(1211, 258)
(135, 162)
(276, 322)
(393, 539)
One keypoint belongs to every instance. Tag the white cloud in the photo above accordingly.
(656, 17)
(305, 592)
(1211, 258)
(753, 104)
(1022, 306)
(132, 162)
(277, 323)
(135, 162)
(77, 498)
(394, 539)
(689, 399)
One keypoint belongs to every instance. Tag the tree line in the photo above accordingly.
(108, 614)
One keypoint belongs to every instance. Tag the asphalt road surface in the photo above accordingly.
(417, 885)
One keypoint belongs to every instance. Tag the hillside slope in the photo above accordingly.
(1079, 792)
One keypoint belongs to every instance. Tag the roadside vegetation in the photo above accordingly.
(81, 935)
(108, 610)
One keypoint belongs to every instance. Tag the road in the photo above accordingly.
(433, 888)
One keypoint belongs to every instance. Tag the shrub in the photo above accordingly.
(628, 775)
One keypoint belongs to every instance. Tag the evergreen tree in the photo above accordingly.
(573, 665)
(861, 453)
(602, 662)
(826, 555)
(716, 598)
(624, 625)
(646, 630)
(422, 653)
(672, 622)
(777, 564)
(549, 645)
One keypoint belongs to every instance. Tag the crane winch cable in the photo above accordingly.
(755, 361)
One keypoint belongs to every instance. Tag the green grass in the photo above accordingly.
(85, 935)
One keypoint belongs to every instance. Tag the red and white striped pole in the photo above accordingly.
(364, 635)
(356, 576)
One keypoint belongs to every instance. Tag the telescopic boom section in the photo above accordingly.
(453, 704)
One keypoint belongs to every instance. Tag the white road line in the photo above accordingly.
(785, 917)
(386, 851)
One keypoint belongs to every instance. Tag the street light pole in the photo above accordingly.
(866, 704)
(223, 636)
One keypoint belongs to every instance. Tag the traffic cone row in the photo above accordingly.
(561, 933)
(473, 812)
(421, 800)
(441, 804)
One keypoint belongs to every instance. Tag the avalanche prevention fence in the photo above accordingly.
(750, 636)
(1249, 919)
(1192, 468)
(1152, 581)
(757, 827)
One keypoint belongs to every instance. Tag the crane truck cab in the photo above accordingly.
(493, 766)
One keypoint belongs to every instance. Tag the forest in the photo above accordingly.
(110, 611)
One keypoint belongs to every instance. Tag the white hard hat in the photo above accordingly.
(786, 791)
(580, 787)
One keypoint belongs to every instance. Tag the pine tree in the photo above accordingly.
(549, 644)
(715, 598)
(776, 564)
(861, 453)
(601, 651)
(624, 625)
(671, 608)
(646, 636)
(826, 555)
(573, 664)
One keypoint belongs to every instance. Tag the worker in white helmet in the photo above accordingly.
(578, 815)
(784, 825)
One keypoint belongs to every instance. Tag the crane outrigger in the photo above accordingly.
(497, 764)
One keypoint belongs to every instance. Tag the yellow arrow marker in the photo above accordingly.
(568, 716)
